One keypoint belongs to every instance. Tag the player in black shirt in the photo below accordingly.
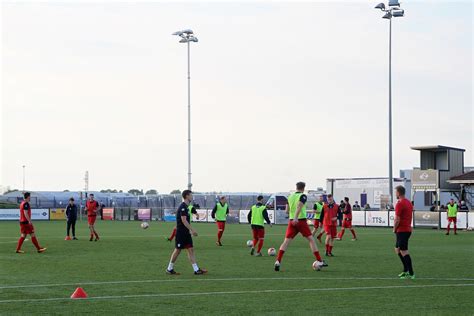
(184, 240)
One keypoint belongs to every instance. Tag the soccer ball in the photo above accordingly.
(317, 265)
(271, 252)
(249, 243)
(144, 225)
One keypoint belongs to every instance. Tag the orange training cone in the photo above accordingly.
(79, 293)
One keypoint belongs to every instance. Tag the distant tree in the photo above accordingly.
(151, 192)
(121, 191)
(10, 191)
(135, 192)
(108, 191)
(176, 192)
(66, 191)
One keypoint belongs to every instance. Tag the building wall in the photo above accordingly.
(373, 187)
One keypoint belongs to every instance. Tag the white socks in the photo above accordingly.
(171, 267)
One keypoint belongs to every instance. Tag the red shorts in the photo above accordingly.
(347, 224)
(91, 220)
(452, 219)
(331, 231)
(258, 233)
(220, 225)
(27, 229)
(302, 228)
(317, 223)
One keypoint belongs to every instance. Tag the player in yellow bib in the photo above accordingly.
(296, 209)
(257, 216)
(318, 215)
(452, 216)
(219, 213)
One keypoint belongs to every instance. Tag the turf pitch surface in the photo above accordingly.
(123, 273)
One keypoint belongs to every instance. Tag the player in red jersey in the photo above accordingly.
(330, 223)
(26, 227)
(92, 207)
(347, 221)
(402, 229)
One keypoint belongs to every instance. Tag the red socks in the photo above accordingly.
(353, 233)
(20, 243)
(260, 245)
(455, 228)
(35, 242)
(254, 242)
(219, 235)
(173, 234)
(96, 235)
(280, 255)
(328, 248)
(318, 257)
(341, 233)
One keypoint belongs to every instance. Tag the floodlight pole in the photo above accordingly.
(24, 178)
(390, 152)
(187, 36)
(189, 117)
(392, 11)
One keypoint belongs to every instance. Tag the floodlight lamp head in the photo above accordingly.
(380, 6)
(387, 15)
(393, 3)
(398, 13)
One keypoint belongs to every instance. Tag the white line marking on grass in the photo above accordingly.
(238, 292)
(220, 279)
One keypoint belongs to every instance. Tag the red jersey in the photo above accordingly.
(91, 207)
(24, 206)
(330, 211)
(404, 210)
(348, 212)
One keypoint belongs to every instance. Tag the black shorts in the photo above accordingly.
(402, 240)
(184, 240)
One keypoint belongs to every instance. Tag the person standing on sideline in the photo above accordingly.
(347, 221)
(184, 233)
(26, 226)
(219, 213)
(318, 215)
(452, 216)
(402, 229)
(71, 216)
(258, 213)
(356, 206)
(330, 224)
(92, 207)
(296, 209)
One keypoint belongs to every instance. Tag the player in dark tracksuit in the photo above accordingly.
(71, 215)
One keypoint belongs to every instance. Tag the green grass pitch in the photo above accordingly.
(123, 274)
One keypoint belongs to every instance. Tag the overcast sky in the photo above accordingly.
(281, 92)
